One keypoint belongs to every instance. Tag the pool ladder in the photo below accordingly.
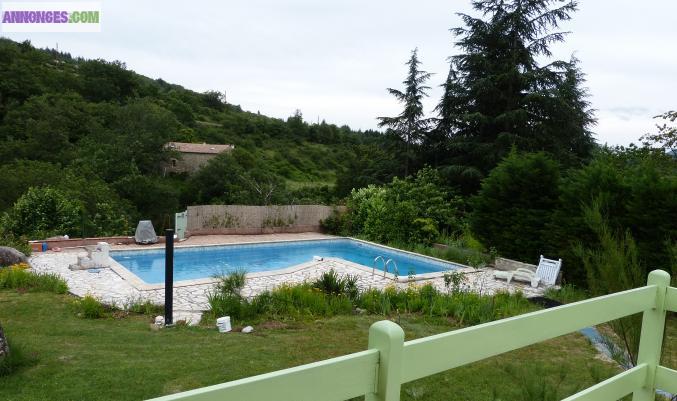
(396, 271)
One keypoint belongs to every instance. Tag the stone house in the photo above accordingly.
(192, 156)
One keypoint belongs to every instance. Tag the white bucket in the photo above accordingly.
(223, 324)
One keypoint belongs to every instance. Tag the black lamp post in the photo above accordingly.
(169, 275)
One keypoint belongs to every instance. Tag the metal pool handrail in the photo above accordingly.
(396, 271)
(373, 267)
(379, 372)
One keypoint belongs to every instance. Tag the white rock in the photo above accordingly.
(248, 329)
(160, 320)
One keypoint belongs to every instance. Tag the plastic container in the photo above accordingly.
(44, 247)
(223, 324)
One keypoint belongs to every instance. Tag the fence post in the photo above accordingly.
(651, 339)
(388, 338)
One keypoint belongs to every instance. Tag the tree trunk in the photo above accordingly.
(406, 158)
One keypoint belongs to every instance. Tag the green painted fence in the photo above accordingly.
(379, 372)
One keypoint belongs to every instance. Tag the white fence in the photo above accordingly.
(240, 219)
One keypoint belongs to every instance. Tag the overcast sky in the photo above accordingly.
(333, 60)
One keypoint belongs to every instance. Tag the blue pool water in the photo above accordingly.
(203, 262)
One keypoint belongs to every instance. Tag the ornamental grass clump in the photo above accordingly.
(466, 308)
(332, 284)
(89, 308)
(226, 298)
(20, 278)
(332, 295)
(298, 301)
(15, 360)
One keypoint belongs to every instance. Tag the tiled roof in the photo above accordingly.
(184, 147)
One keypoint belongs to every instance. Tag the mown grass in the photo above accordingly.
(122, 359)
(568, 294)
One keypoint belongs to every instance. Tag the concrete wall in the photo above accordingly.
(238, 219)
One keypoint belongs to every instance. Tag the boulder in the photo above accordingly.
(10, 256)
(248, 329)
(4, 347)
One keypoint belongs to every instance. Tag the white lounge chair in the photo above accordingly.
(546, 273)
(520, 274)
(548, 270)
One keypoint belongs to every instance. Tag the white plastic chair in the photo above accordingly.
(548, 270)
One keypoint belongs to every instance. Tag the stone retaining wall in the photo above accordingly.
(509, 264)
(240, 219)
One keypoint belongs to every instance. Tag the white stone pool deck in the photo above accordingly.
(115, 286)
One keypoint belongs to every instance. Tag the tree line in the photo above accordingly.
(515, 161)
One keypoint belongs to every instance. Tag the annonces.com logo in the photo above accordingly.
(51, 17)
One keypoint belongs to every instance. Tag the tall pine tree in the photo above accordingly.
(498, 96)
(410, 125)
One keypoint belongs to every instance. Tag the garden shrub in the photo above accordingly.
(337, 223)
(514, 206)
(634, 190)
(424, 231)
(20, 243)
(612, 267)
(454, 280)
(108, 221)
(43, 212)
(104, 212)
(409, 210)
(89, 307)
(456, 250)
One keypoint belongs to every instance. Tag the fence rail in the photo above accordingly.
(379, 372)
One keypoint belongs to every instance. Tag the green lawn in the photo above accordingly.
(122, 359)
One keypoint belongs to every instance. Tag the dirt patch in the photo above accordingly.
(272, 325)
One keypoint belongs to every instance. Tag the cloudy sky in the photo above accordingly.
(334, 59)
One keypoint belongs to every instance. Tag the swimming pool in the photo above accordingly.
(207, 261)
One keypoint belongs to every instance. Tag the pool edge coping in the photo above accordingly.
(141, 285)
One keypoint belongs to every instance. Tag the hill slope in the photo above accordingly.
(95, 131)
